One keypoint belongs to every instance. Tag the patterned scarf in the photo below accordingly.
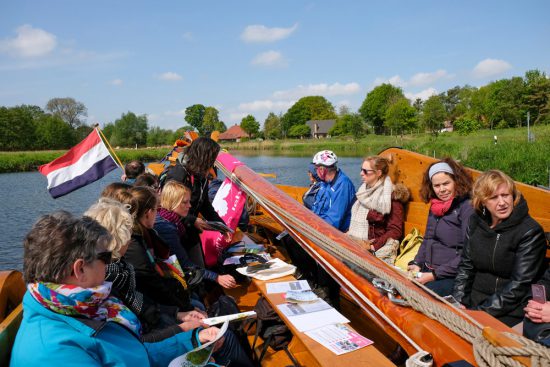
(174, 218)
(376, 198)
(439, 207)
(93, 303)
(123, 277)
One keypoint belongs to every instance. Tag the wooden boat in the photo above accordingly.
(371, 312)
(387, 321)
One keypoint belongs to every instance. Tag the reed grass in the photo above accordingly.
(524, 161)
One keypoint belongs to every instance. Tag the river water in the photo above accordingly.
(24, 197)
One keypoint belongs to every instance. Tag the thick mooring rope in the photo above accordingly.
(485, 353)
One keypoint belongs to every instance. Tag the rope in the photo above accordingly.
(463, 325)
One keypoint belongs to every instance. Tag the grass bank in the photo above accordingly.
(525, 162)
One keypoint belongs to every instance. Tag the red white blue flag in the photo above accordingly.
(86, 162)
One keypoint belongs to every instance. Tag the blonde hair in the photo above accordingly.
(116, 218)
(172, 195)
(486, 185)
(379, 163)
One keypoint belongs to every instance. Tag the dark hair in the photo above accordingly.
(147, 179)
(462, 179)
(134, 168)
(56, 241)
(201, 155)
(144, 199)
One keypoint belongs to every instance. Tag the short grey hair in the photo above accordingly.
(56, 241)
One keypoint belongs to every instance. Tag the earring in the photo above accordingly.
(483, 211)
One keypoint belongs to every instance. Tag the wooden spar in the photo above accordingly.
(429, 334)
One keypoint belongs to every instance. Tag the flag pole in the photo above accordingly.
(110, 147)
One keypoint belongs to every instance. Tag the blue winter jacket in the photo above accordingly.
(334, 200)
(46, 338)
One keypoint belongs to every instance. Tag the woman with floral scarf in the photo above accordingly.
(377, 216)
(69, 316)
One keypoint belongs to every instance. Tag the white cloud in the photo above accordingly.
(262, 34)
(419, 79)
(423, 95)
(116, 82)
(175, 113)
(265, 105)
(269, 58)
(322, 89)
(490, 67)
(188, 36)
(170, 76)
(237, 116)
(29, 42)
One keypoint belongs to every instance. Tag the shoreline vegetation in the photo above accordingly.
(527, 162)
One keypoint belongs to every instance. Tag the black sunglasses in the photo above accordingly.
(366, 171)
(105, 256)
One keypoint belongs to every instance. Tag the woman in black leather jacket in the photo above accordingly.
(503, 252)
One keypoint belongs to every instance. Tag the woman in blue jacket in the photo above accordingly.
(69, 316)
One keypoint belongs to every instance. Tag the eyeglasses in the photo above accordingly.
(366, 171)
(105, 256)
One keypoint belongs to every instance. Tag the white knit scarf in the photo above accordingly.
(376, 198)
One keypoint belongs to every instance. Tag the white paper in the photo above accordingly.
(236, 316)
(314, 320)
(338, 338)
(278, 269)
(199, 356)
(283, 287)
(294, 309)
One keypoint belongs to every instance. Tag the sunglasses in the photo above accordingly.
(366, 171)
(105, 256)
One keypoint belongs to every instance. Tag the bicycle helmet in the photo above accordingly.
(325, 158)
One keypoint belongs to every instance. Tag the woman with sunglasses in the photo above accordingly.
(69, 316)
(446, 186)
(377, 216)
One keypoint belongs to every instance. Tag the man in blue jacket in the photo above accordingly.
(336, 196)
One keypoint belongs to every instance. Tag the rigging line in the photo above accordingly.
(260, 200)
(457, 324)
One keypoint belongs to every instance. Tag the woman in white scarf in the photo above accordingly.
(377, 216)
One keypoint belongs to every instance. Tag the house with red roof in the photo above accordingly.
(234, 133)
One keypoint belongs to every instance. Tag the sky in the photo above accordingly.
(255, 57)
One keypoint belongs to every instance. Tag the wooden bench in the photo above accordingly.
(307, 351)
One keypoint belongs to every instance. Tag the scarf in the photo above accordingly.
(123, 277)
(439, 208)
(174, 218)
(92, 303)
(376, 198)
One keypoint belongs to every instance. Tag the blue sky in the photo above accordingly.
(253, 57)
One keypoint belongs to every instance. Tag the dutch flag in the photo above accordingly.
(83, 164)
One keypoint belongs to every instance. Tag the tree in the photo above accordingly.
(434, 114)
(250, 125)
(465, 126)
(299, 131)
(68, 109)
(220, 126)
(130, 130)
(373, 109)
(54, 133)
(157, 136)
(272, 126)
(349, 124)
(537, 96)
(194, 115)
(307, 108)
(401, 116)
(209, 121)
(17, 128)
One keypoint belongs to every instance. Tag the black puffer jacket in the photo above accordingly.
(499, 264)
